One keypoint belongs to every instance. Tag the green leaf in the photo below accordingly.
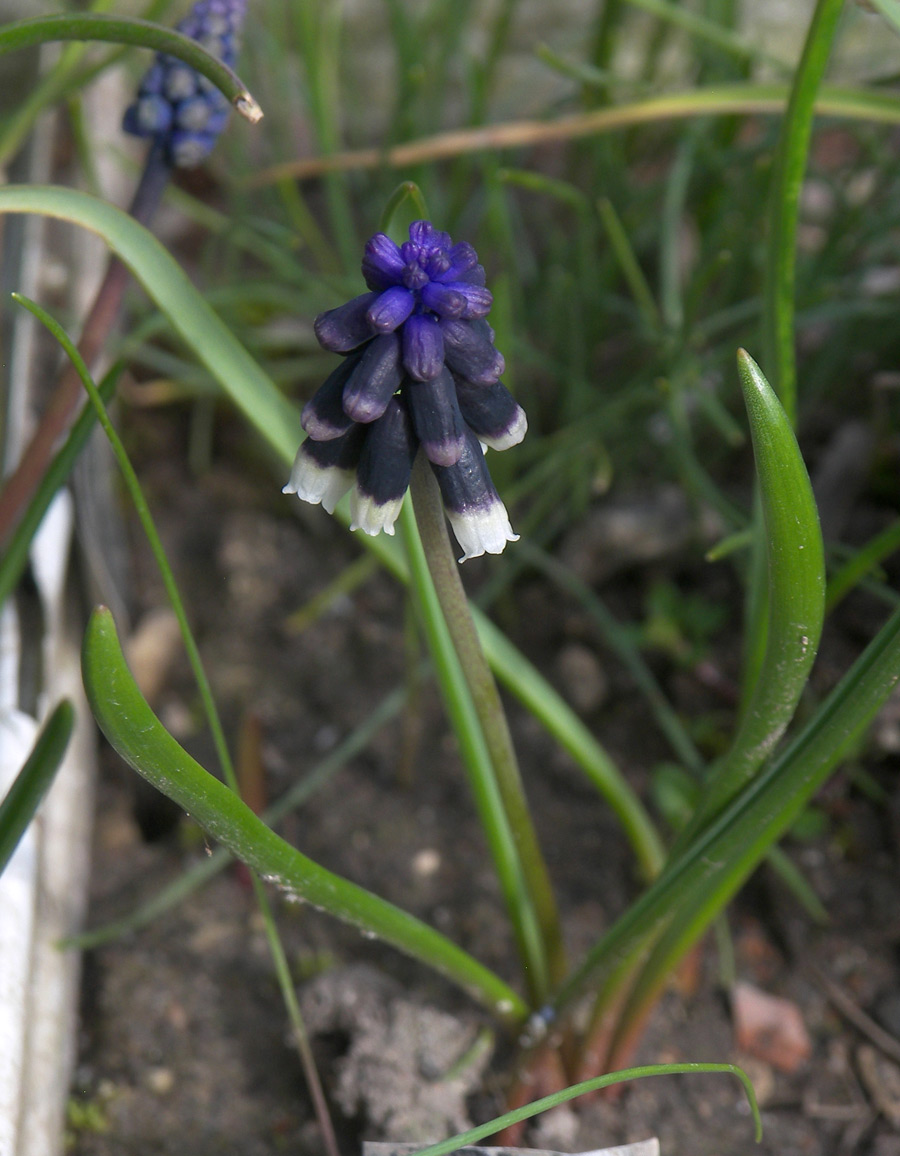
(251, 390)
(784, 203)
(546, 1102)
(15, 556)
(142, 34)
(796, 593)
(32, 782)
(134, 731)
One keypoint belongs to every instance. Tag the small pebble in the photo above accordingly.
(160, 1081)
(426, 862)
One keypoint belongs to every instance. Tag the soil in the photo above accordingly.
(184, 1046)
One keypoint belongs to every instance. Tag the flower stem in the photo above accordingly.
(488, 706)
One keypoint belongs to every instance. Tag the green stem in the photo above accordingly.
(461, 709)
(784, 204)
(298, 1028)
(142, 34)
(491, 715)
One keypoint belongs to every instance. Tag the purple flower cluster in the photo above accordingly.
(177, 106)
(419, 370)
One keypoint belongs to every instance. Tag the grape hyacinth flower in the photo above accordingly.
(419, 370)
(178, 107)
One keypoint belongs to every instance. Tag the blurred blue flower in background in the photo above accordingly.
(176, 106)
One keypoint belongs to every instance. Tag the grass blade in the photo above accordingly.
(545, 1103)
(784, 204)
(33, 780)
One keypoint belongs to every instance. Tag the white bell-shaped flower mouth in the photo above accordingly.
(482, 531)
(372, 517)
(314, 482)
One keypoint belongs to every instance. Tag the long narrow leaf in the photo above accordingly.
(784, 203)
(31, 784)
(15, 556)
(796, 593)
(517, 1115)
(137, 734)
(142, 34)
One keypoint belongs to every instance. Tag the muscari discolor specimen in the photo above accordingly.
(419, 370)
(176, 106)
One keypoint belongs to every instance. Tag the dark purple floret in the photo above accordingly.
(323, 416)
(491, 412)
(436, 418)
(177, 106)
(385, 466)
(469, 352)
(423, 347)
(375, 379)
(422, 371)
(342, 329)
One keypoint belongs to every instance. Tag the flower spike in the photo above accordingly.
(177, 106)
(421, 372)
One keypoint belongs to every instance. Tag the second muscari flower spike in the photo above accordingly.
(176, 106)
(420, 369)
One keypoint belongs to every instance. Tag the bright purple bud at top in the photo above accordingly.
(422, 234)
(382, 264)
(461, 258)
(437, 264)
(414, 276)
(197, 111)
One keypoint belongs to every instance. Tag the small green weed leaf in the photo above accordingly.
(35, 777)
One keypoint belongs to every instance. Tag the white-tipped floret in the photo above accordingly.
(314, 483)
(484, 530)
(372, 517)
(511, 436)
